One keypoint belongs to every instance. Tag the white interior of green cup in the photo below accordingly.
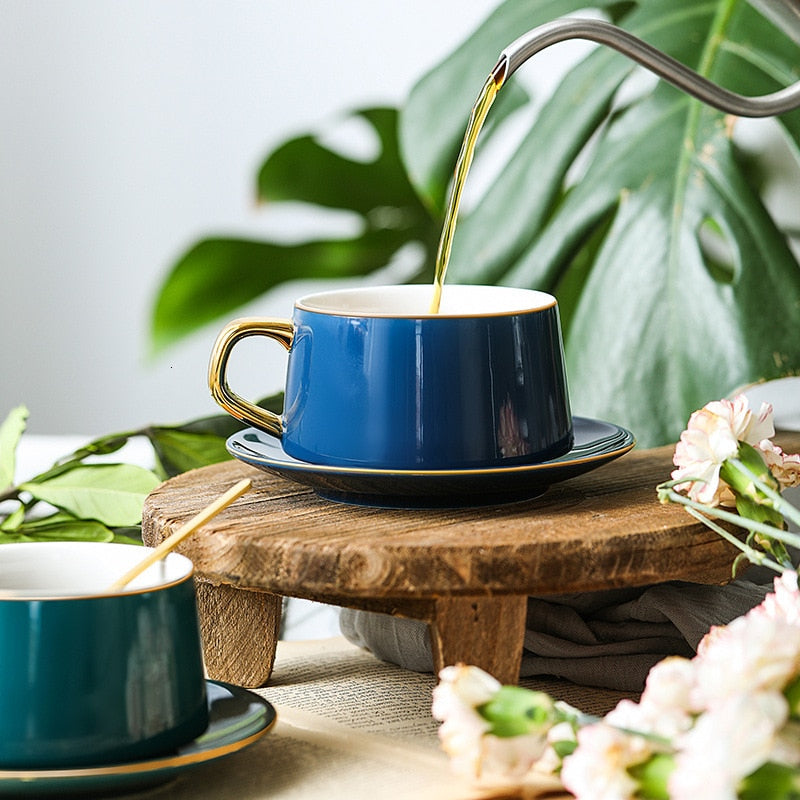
(77, 569)
(415, 300)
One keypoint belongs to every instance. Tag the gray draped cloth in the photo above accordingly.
(606, 639)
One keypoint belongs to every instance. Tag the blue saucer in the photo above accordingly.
(238, 718)
(596, 443)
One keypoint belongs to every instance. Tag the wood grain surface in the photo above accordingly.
(465, 571)
(601, 530)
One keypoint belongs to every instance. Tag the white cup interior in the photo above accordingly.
(75, 569)
(414, 301)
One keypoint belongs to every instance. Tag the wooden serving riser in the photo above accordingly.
(467, 572)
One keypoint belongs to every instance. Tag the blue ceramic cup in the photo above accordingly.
(376, 381)
(92, 677)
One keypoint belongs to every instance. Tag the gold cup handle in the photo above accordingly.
(282, 331)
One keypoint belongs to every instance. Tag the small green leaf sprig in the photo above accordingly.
(84, 496)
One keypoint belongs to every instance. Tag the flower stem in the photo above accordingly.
(667, 493)
(753, 555)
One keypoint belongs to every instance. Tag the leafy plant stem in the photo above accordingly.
(668, 494)
(753, 555)
(96, 498)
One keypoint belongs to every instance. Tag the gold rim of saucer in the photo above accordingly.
(568, 459)
(136, 766)
(153, 765)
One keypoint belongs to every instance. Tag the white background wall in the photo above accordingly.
(130, 129)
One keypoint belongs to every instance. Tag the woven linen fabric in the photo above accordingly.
(607, 639)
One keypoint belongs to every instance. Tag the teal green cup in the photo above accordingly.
(90, 676)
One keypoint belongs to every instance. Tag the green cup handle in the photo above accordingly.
(282, 330)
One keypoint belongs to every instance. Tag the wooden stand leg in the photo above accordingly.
(485, 632)
(239, 631)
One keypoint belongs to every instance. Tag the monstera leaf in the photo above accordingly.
(675, 283)
(629, 201)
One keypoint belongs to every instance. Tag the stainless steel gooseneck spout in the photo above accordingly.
(661, 64)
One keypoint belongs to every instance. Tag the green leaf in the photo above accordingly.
(11, 431)
(771, 782)
(178, 451)
(199, 442)
(128, 535)
(105, 445)
(433, 120)
(653, 776)
(11, 537)
(655, 324)
(676, 335)
(218, 275)
(109, 493)
(303, 170)
(57, 527)
(67, 531)
(13, 520)
(57, 518)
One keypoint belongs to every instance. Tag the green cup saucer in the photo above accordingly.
(238, 718)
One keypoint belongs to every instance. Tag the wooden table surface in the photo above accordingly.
(467, 571)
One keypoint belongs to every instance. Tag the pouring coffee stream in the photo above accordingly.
(662, 65)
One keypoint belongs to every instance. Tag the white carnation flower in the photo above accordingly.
(711, 437)
(784, 602)
(460, 691)
(598, 769)
(665, 705)
(753, 653)
(726, 744)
